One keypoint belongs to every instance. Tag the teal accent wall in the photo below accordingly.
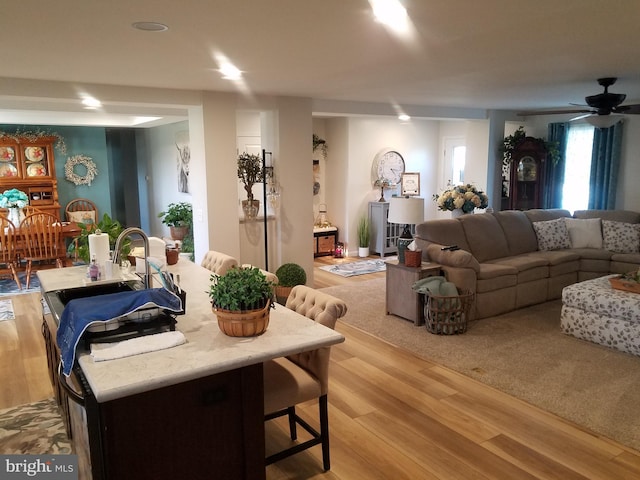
(88, 141)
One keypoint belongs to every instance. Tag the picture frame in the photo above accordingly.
(410, 184)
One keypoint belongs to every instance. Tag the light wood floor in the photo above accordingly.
(392, 415)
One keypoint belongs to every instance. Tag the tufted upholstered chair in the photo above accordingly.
(304, 376)
(218, 262)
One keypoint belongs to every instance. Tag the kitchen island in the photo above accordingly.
(192, 411)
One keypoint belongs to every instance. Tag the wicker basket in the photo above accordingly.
(245, 323)
(413, 258)
(448, 315)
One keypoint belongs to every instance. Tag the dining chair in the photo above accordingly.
(304, 376)
(42, 242)
(8, 249)
(81, 210)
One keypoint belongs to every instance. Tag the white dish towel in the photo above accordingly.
(135, 346)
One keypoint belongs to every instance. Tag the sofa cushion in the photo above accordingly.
(552, 234)
(621, 237)
(543, 215)
(521, 238)
(494, 270)
(521, 262)
(584, 232)
(613, 215)
(444, 232)
(556, 257)
(485, 237)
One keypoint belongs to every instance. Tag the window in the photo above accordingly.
(575, 190)
(454, 161)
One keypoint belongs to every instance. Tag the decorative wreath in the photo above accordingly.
(72, 176)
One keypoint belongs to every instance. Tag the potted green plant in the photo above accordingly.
(107, 225)
(250, 172)
(364, 236)
(289, 275)
(179, 218)
(241, 300)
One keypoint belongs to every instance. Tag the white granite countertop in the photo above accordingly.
(208, 351)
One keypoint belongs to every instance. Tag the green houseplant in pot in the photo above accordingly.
(364, 236)
(250, 172)
(179, 218)
(241, 300)
(289, 275)
(107, 225)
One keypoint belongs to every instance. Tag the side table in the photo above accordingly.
(401, 299)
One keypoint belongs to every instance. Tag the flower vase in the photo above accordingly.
(458, 212)
(16, 215)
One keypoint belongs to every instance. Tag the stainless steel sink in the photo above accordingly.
(57, 299)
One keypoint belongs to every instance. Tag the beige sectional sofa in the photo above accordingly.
(512, 259)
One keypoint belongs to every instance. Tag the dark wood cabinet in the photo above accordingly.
(526, 175)
(29, 166)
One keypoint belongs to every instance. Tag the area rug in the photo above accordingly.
(6, 310)
(356, 268)
(34, 428)
(8, 285)
(522, 353)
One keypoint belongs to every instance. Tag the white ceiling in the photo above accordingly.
(483, 54)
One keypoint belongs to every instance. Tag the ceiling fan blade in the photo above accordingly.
(580, 117)
(552, 112)
(629, 109)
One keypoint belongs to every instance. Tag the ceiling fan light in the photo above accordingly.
(603, 121)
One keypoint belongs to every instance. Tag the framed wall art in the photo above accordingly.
(410, 184)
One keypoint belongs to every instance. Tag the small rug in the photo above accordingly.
(6, 310)
(8, 285)
(34, 428)
(356, 268)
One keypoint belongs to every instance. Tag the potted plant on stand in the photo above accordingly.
(250, 171)
(364, 236)
(241, 300)
(179, 218)
(289, 275)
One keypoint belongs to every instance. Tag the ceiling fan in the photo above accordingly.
(601, 106)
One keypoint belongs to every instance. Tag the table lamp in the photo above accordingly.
(408, 211)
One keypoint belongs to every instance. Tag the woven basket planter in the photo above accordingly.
(282, 293)
(243, 323)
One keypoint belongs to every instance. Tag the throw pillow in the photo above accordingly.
(552, 234)
(621, 237)
(584, 232)
(86, 217)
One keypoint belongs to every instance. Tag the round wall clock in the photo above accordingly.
(389, 165)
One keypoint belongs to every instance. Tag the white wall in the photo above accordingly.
(163, 173)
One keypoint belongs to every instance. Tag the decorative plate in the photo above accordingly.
(35, 154)
(36, 170)
(7, 154)
(8, 170)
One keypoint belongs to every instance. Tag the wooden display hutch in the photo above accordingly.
(29, 166)
(526, 174)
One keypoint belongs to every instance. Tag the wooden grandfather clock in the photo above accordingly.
(526, 174)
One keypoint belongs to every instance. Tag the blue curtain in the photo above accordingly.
(605, 163)
(554, 172)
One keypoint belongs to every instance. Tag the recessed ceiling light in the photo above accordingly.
(390, 12)
(230, 72)
(150, 26)
(91, 102)
(404, 117)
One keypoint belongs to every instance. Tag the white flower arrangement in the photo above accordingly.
(465, 197)
(13, 198)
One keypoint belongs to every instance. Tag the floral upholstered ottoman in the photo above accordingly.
(594, 311)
